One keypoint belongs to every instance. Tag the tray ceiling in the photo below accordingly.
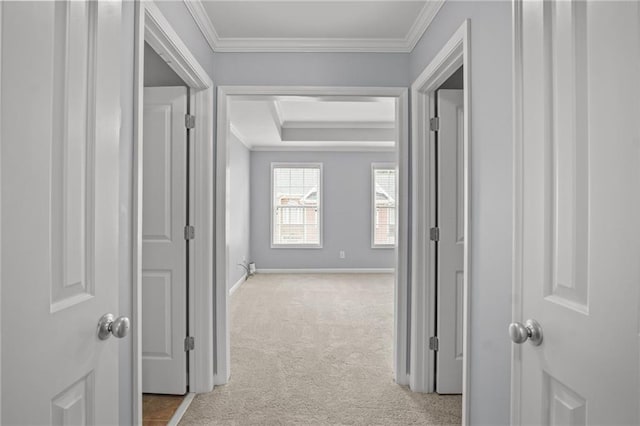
(314, 123)
(313, 26)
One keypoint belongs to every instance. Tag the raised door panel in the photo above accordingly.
(60, 162)
(157, 162)
(450, 247)
(580, 233)
(567, 110)
(164, 250)
(72, 159)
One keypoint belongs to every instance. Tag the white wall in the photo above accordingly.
(239, 209)
(346, 212)
(491, 193)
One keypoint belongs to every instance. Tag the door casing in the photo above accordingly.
(455, 53)
(401, 317)
(152, 27)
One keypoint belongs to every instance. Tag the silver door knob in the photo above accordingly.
(107, 326)
(531, 331)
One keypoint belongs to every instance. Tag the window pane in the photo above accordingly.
(384, 230)
(296, 203)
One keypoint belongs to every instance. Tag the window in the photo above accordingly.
(384, 205)
(296, 199)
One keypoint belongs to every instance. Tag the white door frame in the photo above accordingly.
(153, 27)
(518, 206)
(1, 7)
(455, 53)
(222, 324)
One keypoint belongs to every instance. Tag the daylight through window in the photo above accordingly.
(384, 206)
(296, 205)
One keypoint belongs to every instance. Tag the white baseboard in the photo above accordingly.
(238, 284)
(329, 271)
(182, 408)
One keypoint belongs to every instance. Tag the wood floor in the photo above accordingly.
(157, 410)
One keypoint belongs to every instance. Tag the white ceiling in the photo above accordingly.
(312, 123)
(312, 25)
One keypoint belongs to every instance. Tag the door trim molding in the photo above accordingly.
(153, 27)
(455, 53)
(518, 206)
(401, 320)
(1, 7)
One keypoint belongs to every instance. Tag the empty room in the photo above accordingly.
(310, 212)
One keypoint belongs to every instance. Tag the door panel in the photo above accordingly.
(451, 245)
(580, 235)
(60, 163)
(164, 255)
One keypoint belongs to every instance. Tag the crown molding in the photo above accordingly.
(310, 45)
(315, 148)
(338, 125)
(196, 8)
(422, 22)
(235, 132)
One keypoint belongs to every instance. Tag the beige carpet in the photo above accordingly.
(315, 349)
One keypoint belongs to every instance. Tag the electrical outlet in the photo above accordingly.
(342, 254)
(244, 259)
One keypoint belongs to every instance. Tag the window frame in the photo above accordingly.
(372, 207)
(299, 165)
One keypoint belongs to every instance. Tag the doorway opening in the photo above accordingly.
(440, 250)
(165, 238)
(172, 220)
(286, 235)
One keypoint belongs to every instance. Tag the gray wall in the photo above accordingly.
(156, 71)
(491, 193)
(239, 208)
(491, 163)
(346, 211)
(315, 69)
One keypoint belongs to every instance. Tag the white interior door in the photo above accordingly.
(580, 231)
(60, 162)
(451, 243)
(164, 250)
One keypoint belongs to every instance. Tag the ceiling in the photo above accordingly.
(265, 123)
(312, 25)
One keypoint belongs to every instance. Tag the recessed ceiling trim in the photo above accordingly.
(316, 148)
(388, 45)
(338, 125)
(238, 134)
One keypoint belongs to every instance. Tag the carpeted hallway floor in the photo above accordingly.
(316, 349)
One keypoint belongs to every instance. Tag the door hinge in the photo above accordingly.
(189, 232)
(434, 343)
(189, 343)
(434, 124)
(190, 121)
(434, 234)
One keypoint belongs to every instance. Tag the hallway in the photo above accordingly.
(315, 349)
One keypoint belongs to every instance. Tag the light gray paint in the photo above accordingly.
(346, 212)
(311, 69)
(182, 22)
(491, 193)
(490, 168)
(156, 71)
(239, 209)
